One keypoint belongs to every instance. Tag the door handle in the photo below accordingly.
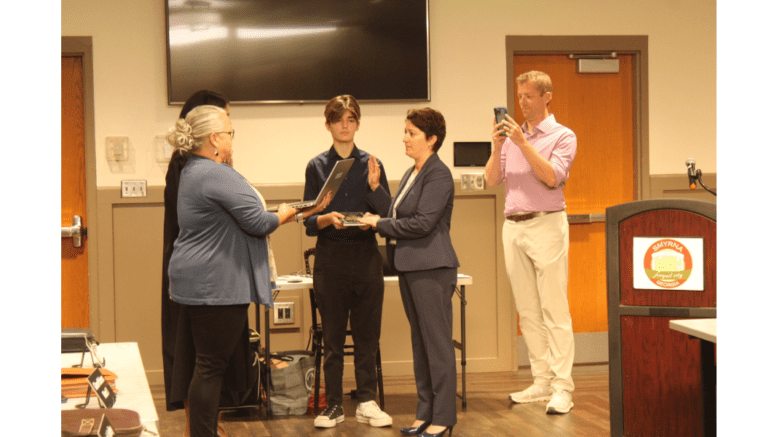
(585, 218)
(76, 231)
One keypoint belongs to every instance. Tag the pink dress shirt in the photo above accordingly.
(524, 191)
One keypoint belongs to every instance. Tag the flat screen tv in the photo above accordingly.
(297, 51)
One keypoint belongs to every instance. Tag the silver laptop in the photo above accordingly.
(336, 177)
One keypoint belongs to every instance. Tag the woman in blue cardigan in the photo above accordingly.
(222, 259)
(417, 226)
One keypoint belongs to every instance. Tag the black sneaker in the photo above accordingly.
(329, 417)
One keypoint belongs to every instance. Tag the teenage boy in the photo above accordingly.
(348, 270)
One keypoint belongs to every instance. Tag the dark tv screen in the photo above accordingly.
(284, 51)
(471, 153)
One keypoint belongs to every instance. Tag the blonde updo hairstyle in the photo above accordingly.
(191, 134)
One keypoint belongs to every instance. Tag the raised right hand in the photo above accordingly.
(374, 176)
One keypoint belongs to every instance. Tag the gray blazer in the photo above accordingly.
(423, 223)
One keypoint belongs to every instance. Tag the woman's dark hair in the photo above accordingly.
(203, 97)
(430, 122)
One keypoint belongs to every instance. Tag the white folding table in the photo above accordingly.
(133, 392)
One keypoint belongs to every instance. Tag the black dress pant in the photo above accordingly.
(216, 331)
(348, 285)
(426, 296)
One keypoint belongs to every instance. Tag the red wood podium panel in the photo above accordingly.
(668, 223)
(655, 383)
(661, 379)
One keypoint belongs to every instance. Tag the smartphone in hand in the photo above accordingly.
(499, 114)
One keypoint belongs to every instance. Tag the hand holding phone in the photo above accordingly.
(499, 114)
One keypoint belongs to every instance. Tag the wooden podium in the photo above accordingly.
(655, 383)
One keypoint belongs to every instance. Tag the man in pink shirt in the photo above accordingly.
(533, 161)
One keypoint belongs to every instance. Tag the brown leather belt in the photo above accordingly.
(528, 216)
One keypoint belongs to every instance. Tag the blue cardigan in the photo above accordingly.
(220, 256)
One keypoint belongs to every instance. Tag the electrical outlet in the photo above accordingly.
(283, 313)
(479, 182)
(473, 181)
(133, 188)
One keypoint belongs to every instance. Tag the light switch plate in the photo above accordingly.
(133, 188)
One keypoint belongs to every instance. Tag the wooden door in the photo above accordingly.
(599, 108)
(75, 272)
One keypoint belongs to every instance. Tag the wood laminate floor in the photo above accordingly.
(489, 412)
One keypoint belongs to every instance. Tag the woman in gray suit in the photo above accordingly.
(222, 259)
(417, 226)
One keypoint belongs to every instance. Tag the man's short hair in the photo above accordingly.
(336, 107)
(541, 81)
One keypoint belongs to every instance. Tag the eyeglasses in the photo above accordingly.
(231, 133)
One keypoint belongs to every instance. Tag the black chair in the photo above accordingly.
(317, 342)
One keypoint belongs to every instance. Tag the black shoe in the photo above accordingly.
(329, 417)
(417, 430)
(439, 434)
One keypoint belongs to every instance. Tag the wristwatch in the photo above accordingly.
(298, 217)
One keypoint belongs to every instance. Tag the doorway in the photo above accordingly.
(79, 299)
(608, 113)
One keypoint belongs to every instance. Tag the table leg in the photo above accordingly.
(267, 358)
(463, 348)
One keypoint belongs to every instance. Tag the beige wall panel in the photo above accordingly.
(475, 236)
(130, 277)
(130, 289)
(137, 244)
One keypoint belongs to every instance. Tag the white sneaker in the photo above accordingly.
(369, 412)
(535, 393)
(560, 403)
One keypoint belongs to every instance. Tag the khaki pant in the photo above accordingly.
(537, 260)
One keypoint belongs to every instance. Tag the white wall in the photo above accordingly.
(273, 143)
